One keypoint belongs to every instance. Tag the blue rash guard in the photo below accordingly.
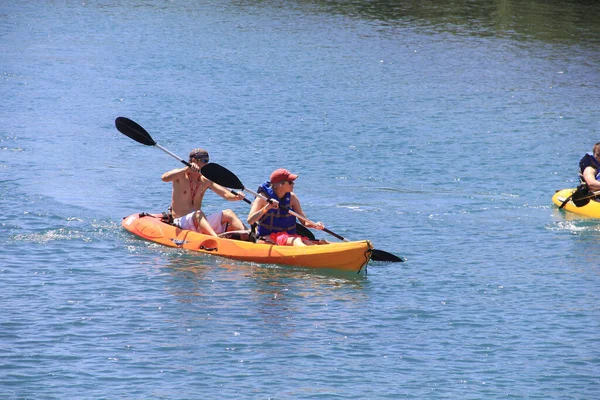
(276, 220)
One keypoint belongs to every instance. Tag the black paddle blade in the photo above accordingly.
(221, 176)
(581, 196)
(131, 129)
(564, 203)
(304, 231)
(581, 202)
(380, 255)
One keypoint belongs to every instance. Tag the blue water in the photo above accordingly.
(439, 132)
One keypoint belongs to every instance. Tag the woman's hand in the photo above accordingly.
(272, 203)
(316, 225)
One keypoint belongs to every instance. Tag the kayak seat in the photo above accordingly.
(243, 235)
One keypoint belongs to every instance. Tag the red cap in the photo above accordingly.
(281, 174)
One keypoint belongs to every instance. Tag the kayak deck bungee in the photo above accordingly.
(345, 256)
(591, 209)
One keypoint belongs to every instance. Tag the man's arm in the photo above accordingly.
(225, 193)
(589, 175)
(173, 174)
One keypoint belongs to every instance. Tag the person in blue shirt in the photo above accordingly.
(274, 222)
(589, 169)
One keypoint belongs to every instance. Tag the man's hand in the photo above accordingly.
(239, 196)
(194, 167)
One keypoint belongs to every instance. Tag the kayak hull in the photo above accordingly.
(346, 256)
(591, 209)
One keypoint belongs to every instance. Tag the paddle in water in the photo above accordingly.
(226, 178)
(136, 132)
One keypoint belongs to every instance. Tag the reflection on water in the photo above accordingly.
(183, 264)
(276, 295)
(544, 20)
(583, 240)
(564, 215)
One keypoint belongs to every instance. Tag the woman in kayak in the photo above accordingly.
(275, 223)
(189, 186)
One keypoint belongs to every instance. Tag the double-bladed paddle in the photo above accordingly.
(225, 177)
(136, 132)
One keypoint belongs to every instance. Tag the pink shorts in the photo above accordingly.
(281, 238)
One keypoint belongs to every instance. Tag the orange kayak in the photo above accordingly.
(345, 256)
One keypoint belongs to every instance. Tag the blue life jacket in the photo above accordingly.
(588, 160)
(276, 220)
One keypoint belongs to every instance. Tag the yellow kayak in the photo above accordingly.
(346, 256)
(591, 209)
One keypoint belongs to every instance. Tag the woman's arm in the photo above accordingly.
(259, 207)
(295, 205)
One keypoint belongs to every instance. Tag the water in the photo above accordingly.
(439, 132)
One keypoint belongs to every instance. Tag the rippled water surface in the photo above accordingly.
(437, 131)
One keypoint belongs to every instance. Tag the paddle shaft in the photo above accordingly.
(591, 195)
(175, 156)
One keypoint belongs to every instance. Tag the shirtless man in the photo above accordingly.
(189, 186)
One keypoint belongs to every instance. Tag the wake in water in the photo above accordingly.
(42, 220)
